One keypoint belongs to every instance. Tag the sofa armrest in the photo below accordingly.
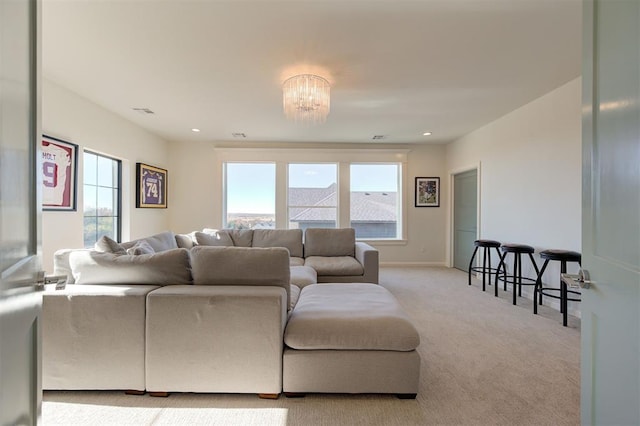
(368, 257)
(215, 338)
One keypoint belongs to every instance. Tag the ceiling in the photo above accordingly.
(397, 68)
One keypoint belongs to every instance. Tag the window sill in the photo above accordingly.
(384, 242)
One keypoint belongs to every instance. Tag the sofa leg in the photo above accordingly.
(159, 394)
(407, 395)
(268, 395)
(134, 392)
(295, 395)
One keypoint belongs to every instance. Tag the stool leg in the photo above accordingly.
(519, 274)
(515, 273)
(533, 262)
(471, 263)
(563, 293)
(501, 265)
(504, 272)
(563, 302)
(537, 292)
(484, 266)
(489, 266)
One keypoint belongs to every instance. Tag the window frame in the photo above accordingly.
(118, 210)
(341, 156)
(225, 192)
(400, 188)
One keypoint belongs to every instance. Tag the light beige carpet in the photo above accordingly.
(484, 362)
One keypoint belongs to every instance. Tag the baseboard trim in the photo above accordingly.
(413, 264)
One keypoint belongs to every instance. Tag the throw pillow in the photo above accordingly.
(186, 240)
(159, 242)
(141, 247)
(170, 267)
(108, 245)
(219, 239)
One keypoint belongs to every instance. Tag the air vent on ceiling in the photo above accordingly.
(377, 137)
(143, 111)
(238, 135)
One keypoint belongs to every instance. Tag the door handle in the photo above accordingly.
(579, 280)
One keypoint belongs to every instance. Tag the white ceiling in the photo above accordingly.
(397, 68)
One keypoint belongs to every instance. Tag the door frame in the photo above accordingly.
(450, 212)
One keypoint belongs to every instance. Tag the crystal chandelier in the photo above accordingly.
(305, 99)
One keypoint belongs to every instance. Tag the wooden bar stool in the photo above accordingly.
(562, 293)
(486, 268)
(516, 278)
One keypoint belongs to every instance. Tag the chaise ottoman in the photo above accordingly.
(351, 338)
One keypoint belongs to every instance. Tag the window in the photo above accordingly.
(250, 195)
(319, 188)
(313, 196)
(101, 197)
(375, 208)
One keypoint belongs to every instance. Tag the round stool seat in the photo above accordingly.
(566, 255)
(486, 243)
(517, 248)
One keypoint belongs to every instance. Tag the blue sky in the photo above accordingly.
(251, 186)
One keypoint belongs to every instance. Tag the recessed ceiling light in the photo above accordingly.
(238, 135)
(195, 130)
(426, 134)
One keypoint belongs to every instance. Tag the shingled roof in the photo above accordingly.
(365, 206)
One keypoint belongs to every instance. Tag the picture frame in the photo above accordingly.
(427, 192)
(59, 168)
(151, 187)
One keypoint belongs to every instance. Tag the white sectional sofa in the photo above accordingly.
(171, 313)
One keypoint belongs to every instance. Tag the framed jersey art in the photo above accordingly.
(59, 176)
(151, 186)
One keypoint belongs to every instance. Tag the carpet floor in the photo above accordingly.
(484, 362)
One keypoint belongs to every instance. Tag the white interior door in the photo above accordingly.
(20, 298)
(611, 213)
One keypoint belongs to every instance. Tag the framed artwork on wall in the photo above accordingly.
(427, 192)
(59, 174)
(151, 187)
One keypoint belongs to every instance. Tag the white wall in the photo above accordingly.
(197, 190)
(68, 116)
(530, 174)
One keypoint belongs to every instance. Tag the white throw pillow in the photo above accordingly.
(108, 245)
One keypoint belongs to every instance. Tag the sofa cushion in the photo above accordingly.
(218, 239)
(241, 266)
(338, 265)
(296, 261)
(291, 239)
(141, 247)
(329, 242)
(186, 240)
(354, 316)
(164, 268)
(159, 242)
(240, 237)
(295, 295)
(61, 264)
(108, 245)
(302, 276)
